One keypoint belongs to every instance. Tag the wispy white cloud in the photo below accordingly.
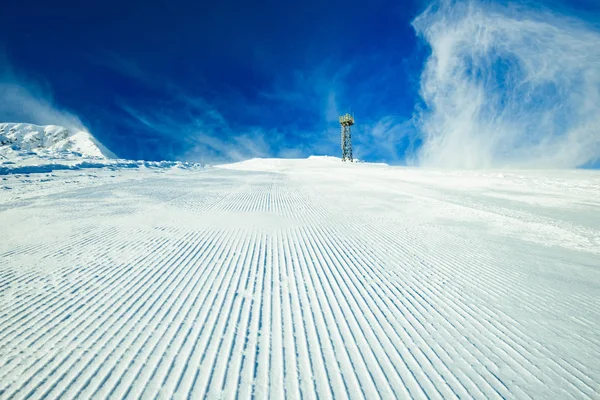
(328, 91)
(204, 134)
(508, 86)
(389, 138)
(186, 126)
(24, 100)
(296, 117)
(205, 137)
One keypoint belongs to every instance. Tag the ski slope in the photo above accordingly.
(300, 279)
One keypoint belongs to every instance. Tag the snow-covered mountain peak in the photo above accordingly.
(52, 139)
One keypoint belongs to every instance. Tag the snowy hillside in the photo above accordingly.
(49, 139)
(33, 149)
(300, 279)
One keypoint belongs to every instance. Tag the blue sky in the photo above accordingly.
(225, 81)
(222, 80)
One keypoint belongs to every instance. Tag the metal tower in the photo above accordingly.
(346, 121)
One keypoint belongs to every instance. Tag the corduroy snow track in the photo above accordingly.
(301, 279)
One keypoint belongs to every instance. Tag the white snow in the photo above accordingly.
(32, 149)
(299, 278)
(49, 140)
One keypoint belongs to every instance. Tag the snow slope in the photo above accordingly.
(300, 278)
(50, 139)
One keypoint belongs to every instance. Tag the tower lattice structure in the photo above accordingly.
(346, 121)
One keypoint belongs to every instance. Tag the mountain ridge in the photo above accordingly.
(21, 136)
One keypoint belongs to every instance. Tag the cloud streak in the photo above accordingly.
(190, 129)
(508, 86)
(295, 114)
(23, 100)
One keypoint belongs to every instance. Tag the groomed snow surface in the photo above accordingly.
(300, 279)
